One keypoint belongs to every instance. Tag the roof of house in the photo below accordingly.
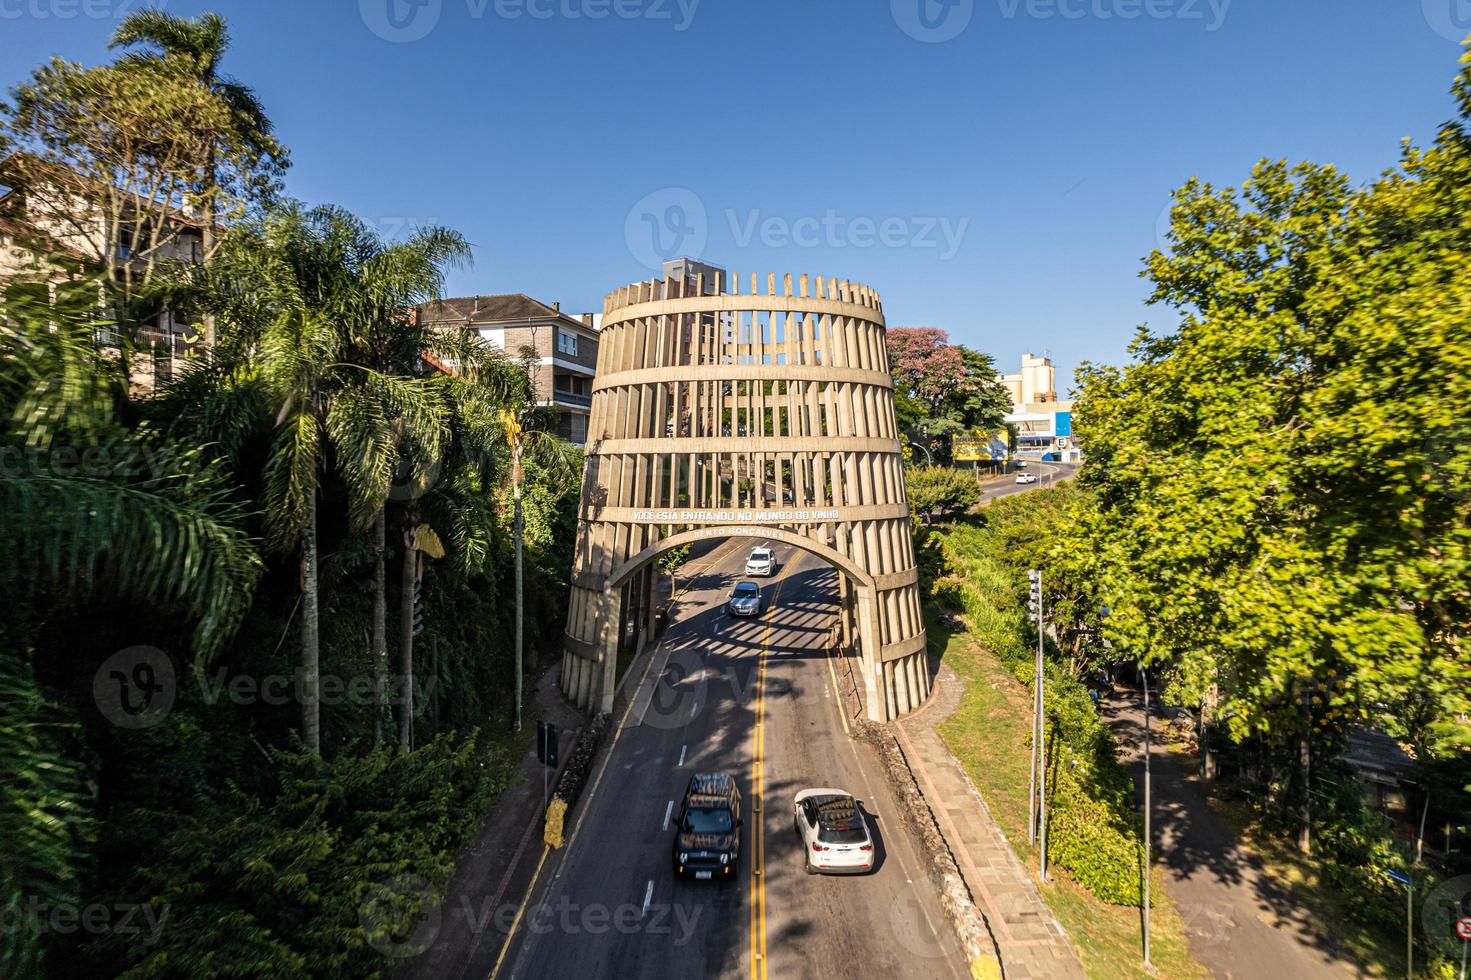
(486, 310)
(1375, 754)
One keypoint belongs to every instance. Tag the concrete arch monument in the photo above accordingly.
(767, 413)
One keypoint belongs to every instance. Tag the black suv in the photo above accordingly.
(707, 837)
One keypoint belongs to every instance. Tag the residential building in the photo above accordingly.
(56, 227)
(562, 348)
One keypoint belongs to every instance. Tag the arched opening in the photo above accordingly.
(630, 591)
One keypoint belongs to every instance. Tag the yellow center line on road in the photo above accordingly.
(758, 791)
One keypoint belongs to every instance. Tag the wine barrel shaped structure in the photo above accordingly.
(766, 414)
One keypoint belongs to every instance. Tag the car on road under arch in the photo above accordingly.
(834, 835)
(762, 561)
(745, 600)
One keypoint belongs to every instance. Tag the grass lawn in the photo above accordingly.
(991, 735)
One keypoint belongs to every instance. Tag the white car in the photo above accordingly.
(1026, 478)
(762, 561)
(834, 835)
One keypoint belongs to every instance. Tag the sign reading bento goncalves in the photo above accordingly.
(761, 409)
(735, 516)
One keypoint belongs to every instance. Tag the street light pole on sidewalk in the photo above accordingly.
(1034, 607)
(1147, 841)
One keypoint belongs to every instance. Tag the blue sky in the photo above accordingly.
(997, 168)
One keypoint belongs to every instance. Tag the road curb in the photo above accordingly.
(971, 926)
(574, 777)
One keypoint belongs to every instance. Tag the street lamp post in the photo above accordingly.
(1147, 841)
(1037, 796)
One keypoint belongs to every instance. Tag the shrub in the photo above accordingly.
(1093, 831)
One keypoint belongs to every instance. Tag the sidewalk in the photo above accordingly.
(1240, 922)
(1031, 942)
(492, 872)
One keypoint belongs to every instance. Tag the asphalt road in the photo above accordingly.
(754, 698)
(1047, 474)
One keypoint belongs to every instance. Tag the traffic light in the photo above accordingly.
(1034, 593)
(418, 607)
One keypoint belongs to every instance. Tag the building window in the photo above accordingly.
(566, 343)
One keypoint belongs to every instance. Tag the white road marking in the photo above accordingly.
(681, 754)
(668, 812)
(648, 897)
(694, 707)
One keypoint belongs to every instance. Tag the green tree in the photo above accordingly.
(239, 163)
(299, 284)
(1247, 463)
(938, 491)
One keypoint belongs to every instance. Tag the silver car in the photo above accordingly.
(745, 600)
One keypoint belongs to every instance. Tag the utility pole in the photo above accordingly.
(516, 439)
(1037, 791)
(1147, 849)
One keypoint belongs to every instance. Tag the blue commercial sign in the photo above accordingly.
(1064, 424)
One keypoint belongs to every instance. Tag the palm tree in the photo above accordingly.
(306, 287)
(391, 279)
(192, 48)
(547, 449)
